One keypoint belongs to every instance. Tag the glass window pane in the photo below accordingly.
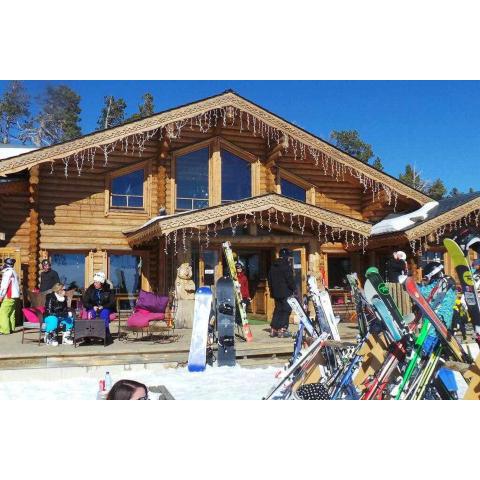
(192, 177)
(291, 190)
(135, 202)
(129, 184)
(200, 204)
(125, 271)
(236, 177)
(70, 268)
(119, 201)
(184, 204)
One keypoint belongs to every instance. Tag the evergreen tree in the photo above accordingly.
(378, 164)
(58, 119)
(437, 189)
(145, 109)
(413, 178)
(112, 114)
(454, 192)
(14, 108)
(350, 142)
(471, 190)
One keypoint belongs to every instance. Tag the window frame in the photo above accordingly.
(86, 267)
(299, 182)
(146, 166)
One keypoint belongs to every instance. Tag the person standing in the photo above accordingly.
(99, 301)
(244, 288)
(397, 267)
(9, 295)
(48, 277)
(282, 285)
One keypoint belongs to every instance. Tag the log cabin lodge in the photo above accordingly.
(139, 199)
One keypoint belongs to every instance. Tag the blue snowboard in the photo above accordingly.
(197, 358)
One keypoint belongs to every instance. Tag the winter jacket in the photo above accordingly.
(243, 281)
(54, 306)
(395, 269)
(103, 297)
(280, 279)
(48, 280)
(10, 286)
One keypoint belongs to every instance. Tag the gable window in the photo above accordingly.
(70, 268)
(291, 190)
(192, 180)
(127, 190)
(236, 177)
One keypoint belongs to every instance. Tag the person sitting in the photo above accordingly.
(48, 277)
(99, 301)
(57, 314)
(128, 390)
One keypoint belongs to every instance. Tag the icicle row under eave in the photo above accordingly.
(227, 116)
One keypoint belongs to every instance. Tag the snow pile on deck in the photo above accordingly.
(225, 383)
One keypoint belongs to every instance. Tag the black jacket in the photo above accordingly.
(280, 279)
(54, 306)
(102, 297)
(395, 269)
(48, 280)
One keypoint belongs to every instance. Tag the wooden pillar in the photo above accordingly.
(314, 257)
(34, 230)
(215, 175)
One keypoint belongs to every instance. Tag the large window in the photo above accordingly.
(125, 273)
(236, 177)
(70, 268)
(291, 190)
(192, 180)
(127, 190)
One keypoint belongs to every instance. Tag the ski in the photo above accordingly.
(464, 273)
(227, 250)
(197, 357)
(449, 340)
(302, 315)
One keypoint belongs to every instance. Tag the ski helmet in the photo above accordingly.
(401, 255)
(433, 271)
(285, 253)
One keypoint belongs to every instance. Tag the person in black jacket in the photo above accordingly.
(57, 314)
(397, 267)
(48, 277)
(282, 285)
(99, 301)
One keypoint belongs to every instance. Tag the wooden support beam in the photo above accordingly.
(34, 230)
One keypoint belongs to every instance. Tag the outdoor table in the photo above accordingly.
(90, 328)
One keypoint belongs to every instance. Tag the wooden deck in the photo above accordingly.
(14, 355)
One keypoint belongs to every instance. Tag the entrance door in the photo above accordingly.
(299, 269)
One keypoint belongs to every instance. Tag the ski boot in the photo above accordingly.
(51, 339)
(67, 338)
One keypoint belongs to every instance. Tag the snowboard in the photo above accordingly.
(383, 294)
(300, 312)
(225, 314)
(227, 251)
(197, 356)
(449, 340)
(323, 308)
(464, 273)
(362, 308)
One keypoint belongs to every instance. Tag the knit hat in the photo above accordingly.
(99, 277)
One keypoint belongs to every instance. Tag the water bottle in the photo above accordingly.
(108, 381)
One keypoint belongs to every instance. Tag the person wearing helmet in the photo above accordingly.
(9, 295)
(282, 285)
(48, 277)
(397, 267)
(433, 273)
(243, 281)
(99, 301)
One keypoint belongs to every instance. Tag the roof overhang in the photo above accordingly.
(199, 219)
(366, 174)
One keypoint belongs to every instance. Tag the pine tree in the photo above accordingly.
(145, 109)
(14, 108)
(112, 114)
(413, 178)
(437, 189)
(454, 192)
(378, 164)
(350, 142)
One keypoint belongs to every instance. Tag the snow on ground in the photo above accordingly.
(226, 383)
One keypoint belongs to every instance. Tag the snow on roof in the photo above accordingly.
(8, 151)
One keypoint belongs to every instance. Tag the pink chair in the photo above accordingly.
(33, 315)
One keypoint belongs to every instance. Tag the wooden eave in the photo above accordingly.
(202, 218)
(227, 99)
(16, 186)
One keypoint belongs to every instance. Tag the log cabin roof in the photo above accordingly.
(167, 224)
(182, 113)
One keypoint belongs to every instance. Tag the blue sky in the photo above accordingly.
(434, 124)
